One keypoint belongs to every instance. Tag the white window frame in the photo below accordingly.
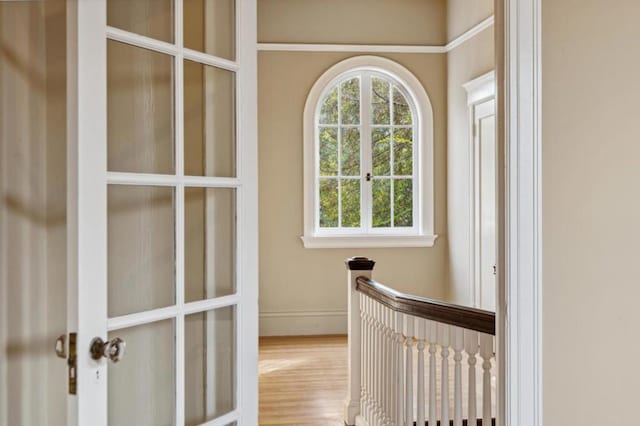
(422, 233)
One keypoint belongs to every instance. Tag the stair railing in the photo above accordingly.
(396, 375)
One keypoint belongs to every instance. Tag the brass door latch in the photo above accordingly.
(68, 350)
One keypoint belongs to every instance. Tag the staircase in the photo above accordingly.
(416, 361)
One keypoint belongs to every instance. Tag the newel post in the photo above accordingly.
(357, 267)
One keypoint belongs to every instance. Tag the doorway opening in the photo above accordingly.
(302, 291)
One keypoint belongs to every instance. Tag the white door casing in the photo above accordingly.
(88, 182)
(485, 191)
(520, 311)
(482, 195)
(484, 203)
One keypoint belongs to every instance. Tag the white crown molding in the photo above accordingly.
(470, 33)
(360, 48)
(378, 48)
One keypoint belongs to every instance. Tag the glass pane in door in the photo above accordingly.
(140, 110)
(210, 232)
(209, 121)
(150, 18)
(33, 212)
(142, 386)
(172, 226)
(210, 354)
(209, 26)
(141, 248)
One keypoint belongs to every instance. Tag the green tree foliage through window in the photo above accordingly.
(342, 177)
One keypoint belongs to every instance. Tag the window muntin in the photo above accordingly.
(421, 234)
(365, 180)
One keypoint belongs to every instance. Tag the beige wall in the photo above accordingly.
(293, 278)
(591, 176)
(471, 59)
(284, 82)
(464, 14)
(352, 21)
(32, 212)
(466, 62)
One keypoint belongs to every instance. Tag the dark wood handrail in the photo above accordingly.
(447, 313)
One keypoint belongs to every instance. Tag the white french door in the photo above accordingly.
(162, 212)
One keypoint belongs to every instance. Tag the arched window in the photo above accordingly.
(368, 157)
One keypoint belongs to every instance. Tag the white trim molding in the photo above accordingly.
(480, 90)
(523, 287)
(379, 48)
(381, 241)
(470, 33)
(303, 323)
(422, 232)
(356, 48)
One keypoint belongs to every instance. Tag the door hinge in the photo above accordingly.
(72, 364)
(70, 354)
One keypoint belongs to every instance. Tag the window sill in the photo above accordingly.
(374, 241)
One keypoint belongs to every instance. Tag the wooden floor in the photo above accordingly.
(303, 380)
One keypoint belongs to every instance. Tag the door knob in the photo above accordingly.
(61, 346)
(112, 349)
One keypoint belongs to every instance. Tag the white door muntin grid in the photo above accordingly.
(88, 181)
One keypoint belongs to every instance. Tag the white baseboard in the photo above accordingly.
(303, 323)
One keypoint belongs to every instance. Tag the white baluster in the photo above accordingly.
(376, 366)
(371, 375)
(471, 347)
(486, 352)
(373, 356)
(372, 365)
(408, 396)
(378, 370)
(383, 368)
(363, 351)
(421, 336)
(392, 368)
(458, 346)
(367, 355)
(399, 372)
(432, 328)
(372, 351)
(443, 339)
(388, 367)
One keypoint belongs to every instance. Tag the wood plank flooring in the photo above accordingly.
(303, 380)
